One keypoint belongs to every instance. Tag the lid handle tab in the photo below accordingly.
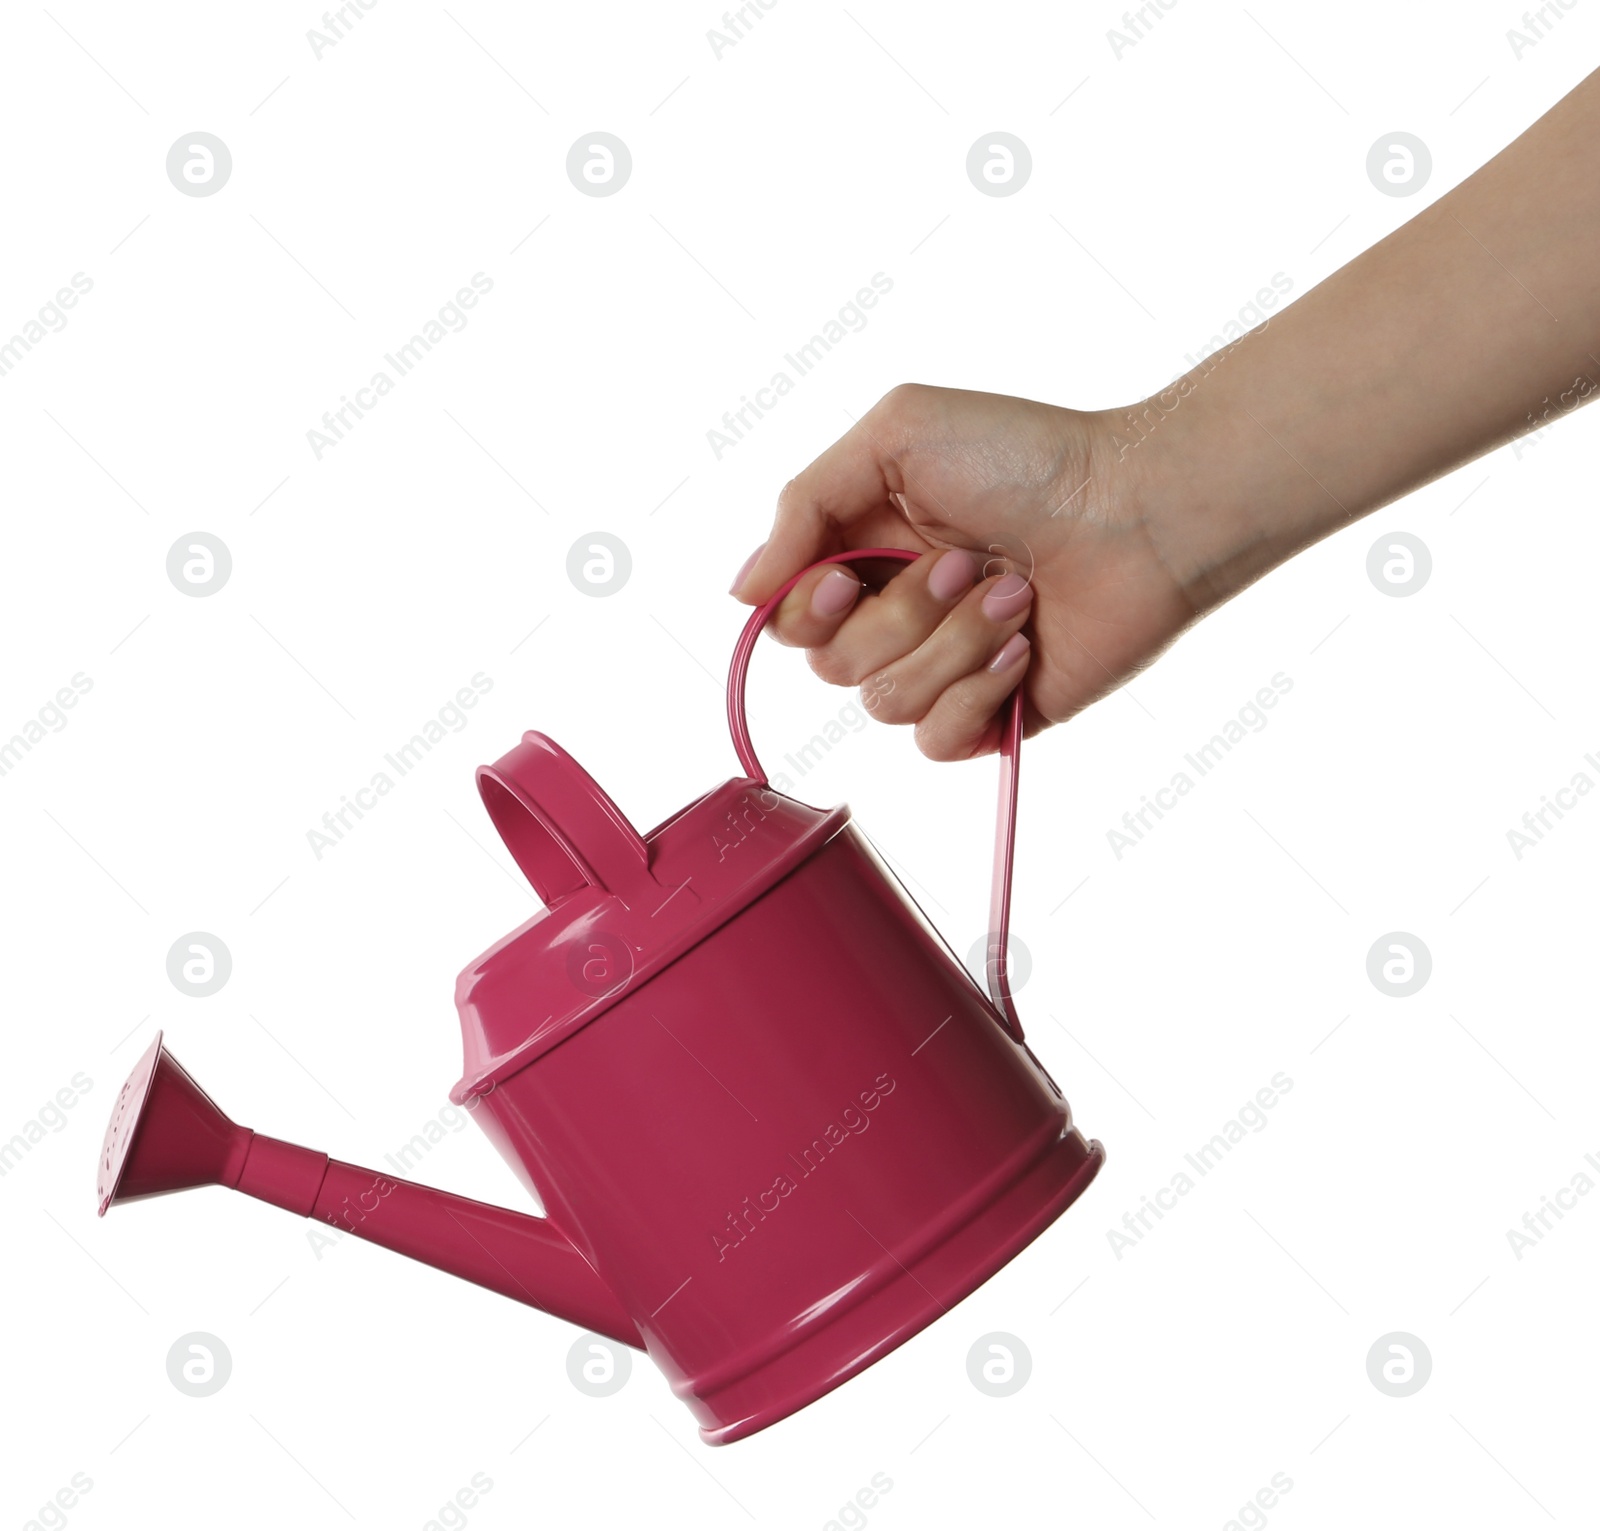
(561, 827)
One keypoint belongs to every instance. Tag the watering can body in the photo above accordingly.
(789, 1147)
(774, 1125)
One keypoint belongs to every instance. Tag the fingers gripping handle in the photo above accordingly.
(997, 952)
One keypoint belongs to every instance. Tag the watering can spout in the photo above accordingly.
(166, 1134)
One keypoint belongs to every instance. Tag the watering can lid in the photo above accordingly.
(620, 905)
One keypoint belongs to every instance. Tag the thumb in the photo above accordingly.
(818, 511)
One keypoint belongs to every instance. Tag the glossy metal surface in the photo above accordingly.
(796, 1145)
(775, 1126)
(166, 1134)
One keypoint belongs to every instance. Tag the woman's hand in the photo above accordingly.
(1039, 565)
(1475, 322)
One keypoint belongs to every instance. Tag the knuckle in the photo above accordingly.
(970, 710)
(937, 744)
(902, 400)
(886, 702)
(827, 666)
(963, 717)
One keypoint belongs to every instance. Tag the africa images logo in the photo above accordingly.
(853, 1121)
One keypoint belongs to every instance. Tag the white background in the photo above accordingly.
(1167, 987)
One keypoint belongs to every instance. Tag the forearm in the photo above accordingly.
(1474, 322)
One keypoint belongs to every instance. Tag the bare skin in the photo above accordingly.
(1477, 321)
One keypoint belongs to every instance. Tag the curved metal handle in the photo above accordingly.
(561, 827)
(997, 952)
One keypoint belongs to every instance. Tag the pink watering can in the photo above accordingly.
(775, 1127)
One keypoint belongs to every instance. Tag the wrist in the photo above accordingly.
(1221, 495)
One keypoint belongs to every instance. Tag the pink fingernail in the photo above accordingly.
(1010, 652)
(1009, 596)
(836, 592)
(952, 573)
(744, 569)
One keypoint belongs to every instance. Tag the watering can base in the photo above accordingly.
(923, 1290)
